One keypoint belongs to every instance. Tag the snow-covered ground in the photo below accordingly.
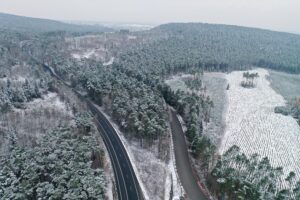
(85, 54)
(176, 82)
(38, 117)
(50, 99)
(252, 124)
(110, 62)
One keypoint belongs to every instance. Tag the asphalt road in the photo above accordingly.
(128, 187)
(126, 181)
(184, 169)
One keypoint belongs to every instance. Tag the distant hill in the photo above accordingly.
(233, 45)
(28, 24)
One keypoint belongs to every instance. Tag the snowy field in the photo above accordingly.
(252, 124)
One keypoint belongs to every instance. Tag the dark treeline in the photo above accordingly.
(249, 78)
(35, 25)
(137, 108)
(237, 176)
(235, 46)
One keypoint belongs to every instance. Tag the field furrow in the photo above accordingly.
(252, 124)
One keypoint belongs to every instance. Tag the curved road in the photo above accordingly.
(128, 187)
(126, 181)
(184, 169)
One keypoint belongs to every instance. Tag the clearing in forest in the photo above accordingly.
(252, 124)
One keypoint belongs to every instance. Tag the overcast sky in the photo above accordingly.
(283, 15)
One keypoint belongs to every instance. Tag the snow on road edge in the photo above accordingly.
(178, 190)
(129, 153)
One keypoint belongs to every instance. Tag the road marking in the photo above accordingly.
(121, 172)
(122, 149)
(112, 161)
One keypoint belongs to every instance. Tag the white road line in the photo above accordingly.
(117, 160)
(126, 157)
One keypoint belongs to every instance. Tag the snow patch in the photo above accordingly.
(110, 62)
(131, 37)
(176, 82)
(85, 54)
(49, 100)
(14, 79)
